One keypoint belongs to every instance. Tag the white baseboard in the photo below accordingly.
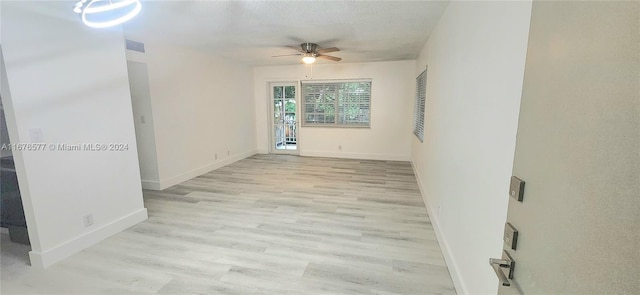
(363, 156)
(456, 277)
(47, 258)
(151, 185)
(168, 182)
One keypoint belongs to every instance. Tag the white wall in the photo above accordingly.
(202, 106)
(476, 58)
(143, 122)
(70, 82)
(391, 110)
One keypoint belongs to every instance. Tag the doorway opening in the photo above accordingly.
(12, 218)
(284, 118)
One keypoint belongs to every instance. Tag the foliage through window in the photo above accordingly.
(421, 97)
(336, 103)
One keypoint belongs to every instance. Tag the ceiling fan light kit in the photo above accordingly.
(311, 51)
(309, 58)
(107, 13)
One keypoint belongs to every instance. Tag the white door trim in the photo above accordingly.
(270, 120)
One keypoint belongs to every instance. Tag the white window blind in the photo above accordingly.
(336, 103)
(421, 97)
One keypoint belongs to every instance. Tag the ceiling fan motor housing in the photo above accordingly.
(310, 51)
(309, 47)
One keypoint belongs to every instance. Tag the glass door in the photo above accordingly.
(284, 118)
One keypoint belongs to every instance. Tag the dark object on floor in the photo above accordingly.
(12, 212)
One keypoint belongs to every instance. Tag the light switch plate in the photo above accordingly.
(510, 237)
(35, 135)
(516, 188)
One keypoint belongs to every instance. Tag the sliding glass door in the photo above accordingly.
(284, 119)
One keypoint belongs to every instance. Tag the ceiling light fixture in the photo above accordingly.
(309, 58)
(107, 13)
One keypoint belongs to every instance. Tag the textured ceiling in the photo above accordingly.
(253, 31)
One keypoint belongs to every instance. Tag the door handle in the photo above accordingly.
(496, 264)
(505, 263)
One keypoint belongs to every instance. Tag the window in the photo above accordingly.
(336, 103)
(421, 97)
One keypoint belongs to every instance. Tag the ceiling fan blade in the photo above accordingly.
(296, 48)
(329, 57)
(281, 55)
(327, 50)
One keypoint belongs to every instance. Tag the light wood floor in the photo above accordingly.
(264, 225)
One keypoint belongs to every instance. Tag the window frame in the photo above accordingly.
(336, 104)
(420, 105)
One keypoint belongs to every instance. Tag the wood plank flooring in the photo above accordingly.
(268, 224)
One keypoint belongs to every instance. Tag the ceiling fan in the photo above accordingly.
(310, 51)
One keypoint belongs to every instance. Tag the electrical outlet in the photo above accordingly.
(339, 147)
(142, 120)
(228, 153)
(88, 220)
(216, 156)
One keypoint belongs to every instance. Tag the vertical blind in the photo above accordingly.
(421, 97)
(336, 103)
